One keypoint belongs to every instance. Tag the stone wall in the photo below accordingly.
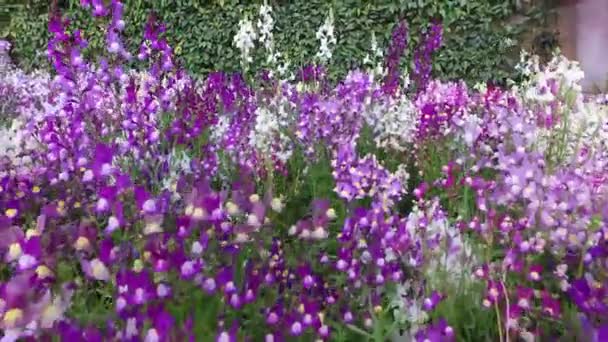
(583, 34)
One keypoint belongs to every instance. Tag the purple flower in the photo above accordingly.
(228, 336)
(430, 43)
(535, 272)
(396, 49)
(102, 160)
(437, 332)
(524, 297)
(550, 305)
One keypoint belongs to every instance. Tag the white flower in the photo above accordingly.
(555, 89)
(481, 87)
(402, 175)
(393, 123)
(265, 25)
(319, 234)
(219, 130)
(471, 129)
(53, 312)
(149, 205)
(326, 38)
(197, 248)
(152, 336)
(244, 40)
(11, 335)
(224, 337)
(98, 270)
(265, 125)
(373, 59)
(268, 135)
(277, 204)
(26, 261)
(131, 329)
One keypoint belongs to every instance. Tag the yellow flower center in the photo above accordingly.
(12, 316)
(189, 210)
(82, 243)
(232, 208)
(50, 314)
(138, 265)
(11, 212)
(43, 272)
(152, 227)
(198, 213)
(321, 316)
(31, 232)
(99, 270)
(14, 251)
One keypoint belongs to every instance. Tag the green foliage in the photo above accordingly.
(471, 321)
(479, 43)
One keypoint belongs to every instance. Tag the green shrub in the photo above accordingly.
(479, 43)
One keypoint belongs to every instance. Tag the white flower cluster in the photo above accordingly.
(590, 126)
(265, 26)
(373, 60)
(326, 38)
(29, 94)
(456, 261)
(50, 310)
(22, 104)
(560, 77)
(263, 133)
(272, 121)
(179, 164)
(556, 90)
(470, 128)
(405, 309)
(528, 65)
(220, 129)
(10, 140)
(393, 123)
(14, 145)
(244, 40)
(5, 60)
(568, 72)
(451, 254)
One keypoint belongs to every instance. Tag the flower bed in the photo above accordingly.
(154, 206)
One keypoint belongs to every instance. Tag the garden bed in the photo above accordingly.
(147, 204)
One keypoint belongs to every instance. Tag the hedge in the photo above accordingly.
(479, 44)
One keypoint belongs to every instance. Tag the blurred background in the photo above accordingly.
(583, 35)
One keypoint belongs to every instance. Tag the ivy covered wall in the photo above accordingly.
(480, 43)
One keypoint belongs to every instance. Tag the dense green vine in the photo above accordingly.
(479, 44)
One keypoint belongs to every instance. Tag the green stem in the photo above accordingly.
(498, 321)
(378, 322)
(359, 331)
(504, 288)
